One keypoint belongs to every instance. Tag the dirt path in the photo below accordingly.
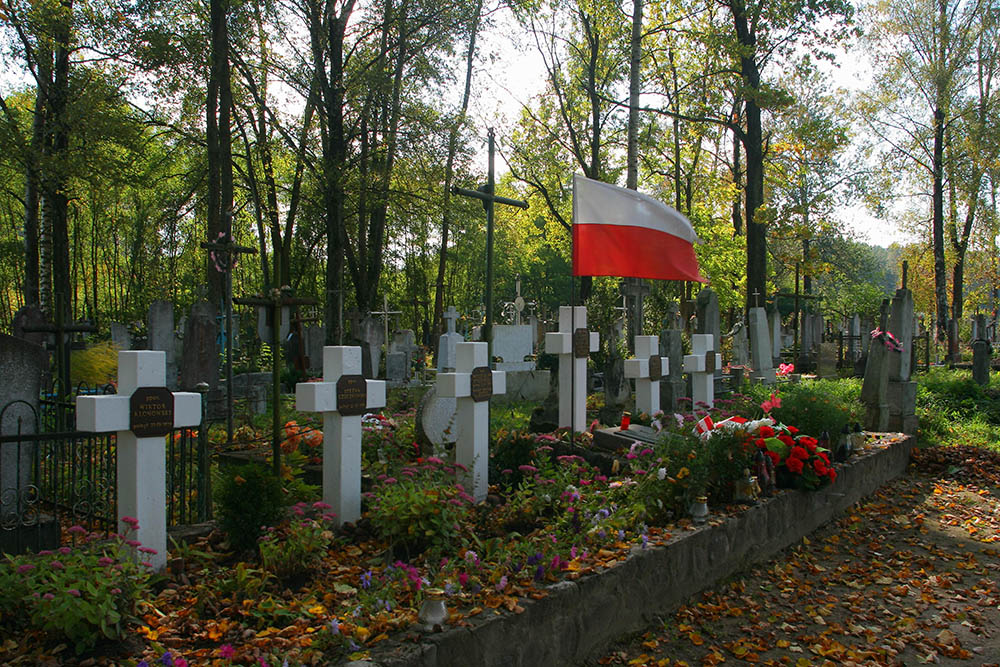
(909, 577)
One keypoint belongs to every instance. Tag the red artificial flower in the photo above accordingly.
(775, 457)
(794, 465)
(792, 429)
(761, 443)
(832, 474)
(819, 467)
(766, 432)
(787, 439)
(822, 455)
(798, 453)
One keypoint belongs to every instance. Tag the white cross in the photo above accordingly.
(572, 367)
(701, 364)
(343, 397)
(142, 472)
(472, 384)
(450, 316)
(647, 368)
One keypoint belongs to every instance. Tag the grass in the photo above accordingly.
(954, 410)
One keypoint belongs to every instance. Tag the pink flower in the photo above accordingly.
(133, 543)
(74, 592)
(527, 468)
(320, 505)
(77, 529)
(48, 596)
(147, 550)
(180, 662)
(104, 561)
(57, 565)
(24, 569)
(226, 651)
(132, 522)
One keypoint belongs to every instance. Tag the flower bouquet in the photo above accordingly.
(798, 459)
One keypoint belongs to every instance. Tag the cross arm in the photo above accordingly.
(485, 196)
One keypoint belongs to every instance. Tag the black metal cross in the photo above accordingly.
(487, 195)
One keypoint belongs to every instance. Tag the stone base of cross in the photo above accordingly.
(472, 384)
(648, 367)
(701, 364)
(142, 413)
(573, 343)
(343, 397)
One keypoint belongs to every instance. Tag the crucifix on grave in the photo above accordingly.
(472, 384)
(701, 364)
(343, 397)
(276, 301)
(487, 195)
(142, 413)
(573, 343)
(648, 367)
(223, 254)
(635, 290)
(385, 313)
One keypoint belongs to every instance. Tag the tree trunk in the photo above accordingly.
(632, 160)
(937, 226)
(32, 186)
(55, 181)
(218, 132)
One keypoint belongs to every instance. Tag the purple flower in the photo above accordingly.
(227, 651)
(539, 572)
(104, 561)
(57, 565)
(74, 592)
(65, 551)
(48, 596)
(366, 579)
(147, 550)
(166, 658)
(320, 505)
(24, 569)
(77, 529)
(334, 626)
(502, 584)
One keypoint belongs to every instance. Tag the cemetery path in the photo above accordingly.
(911, 576)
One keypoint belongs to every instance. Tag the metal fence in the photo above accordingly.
(50, 476)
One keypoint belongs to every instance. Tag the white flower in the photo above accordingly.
(661, 474)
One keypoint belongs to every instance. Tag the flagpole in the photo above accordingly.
(572, 304)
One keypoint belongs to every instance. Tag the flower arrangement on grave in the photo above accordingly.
(887, 339)
(799, 461)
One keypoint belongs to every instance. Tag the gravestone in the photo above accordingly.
(32, 317)
(372, 335)
(875, 387)
(826, 361)
(446, 342)
(160, 328)
(512, 343)
(437, 421)
(902, 390)
(22, 526)
(701, 364)
(343, 397)
(120, 337)
(573, 343)
(672, 386)
(315, 340)
(616, 388)
(472, 385)
(396, 369)
(853, 338)
(200, 358)
(672, 318)
(708, 313)
(647, 368)
(265, 325)
(774, 324)
(761, 347)
(982, 355)
(741, 345)
(142, 413)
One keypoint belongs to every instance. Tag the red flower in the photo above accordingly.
(832, 474)
(819, 467)
(792, 429)
(823, 456)
(775, 457)
(798, 453)
(794, 465)
(787, 439)
(761, 443)
(766, 432)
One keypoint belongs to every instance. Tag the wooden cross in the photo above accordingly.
(224, 253)
(142, 413)
(343, 397)
(385, 313)
(756, 298)
(634, 290)
(472, 384)
(486, 194)
(647, 368)
(573, 343)
(701, 364)
(276, 300)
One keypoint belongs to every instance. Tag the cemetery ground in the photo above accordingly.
(905, 577)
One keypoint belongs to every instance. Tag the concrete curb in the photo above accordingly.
(581, 617)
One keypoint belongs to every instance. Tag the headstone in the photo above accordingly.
(708, 313)
(200, 358)
(875, 387)
(437, 420)
(447, 341)
(648, 368)
(672, 319)
(142, 413)
(853, 338)
(761, 347)
(343, 397)
(472, 384)
(120, 337)
(372, 338)
(526, 386)
(315, 341)
(702, 364)
(826, 361)
(774, 322)
(615, 385)
(265, 325)
(741, 345)
(31, 317)
(902, 391)
(573, 343)
(982, 355)
(22, 365)
(396, 368)
(512, 343)
(672, 386)
(160, 328)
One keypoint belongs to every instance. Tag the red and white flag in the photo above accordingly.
(621, 232)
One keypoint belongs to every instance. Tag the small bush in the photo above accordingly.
(293, 548)
(815, 406)
(248, 498)
(96, 365)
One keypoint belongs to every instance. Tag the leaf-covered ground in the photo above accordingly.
(908, 577)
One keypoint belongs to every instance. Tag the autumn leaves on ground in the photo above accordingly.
(910, 576)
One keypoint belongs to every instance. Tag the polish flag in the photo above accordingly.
(704, 425)
(620, 232)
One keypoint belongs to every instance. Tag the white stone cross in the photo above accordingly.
(343, 397)
(142, 413)
(472, 384)
(647, 368)
(573, 343)
(701, 364)
(450, 316)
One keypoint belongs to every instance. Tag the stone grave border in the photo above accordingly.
(581, 617)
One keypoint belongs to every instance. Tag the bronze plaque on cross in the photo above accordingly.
(710, 361)
(481, 384)
(581, 343)
(655, 367)
(151, 412)
(352, 395)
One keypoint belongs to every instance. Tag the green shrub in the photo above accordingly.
(78, 594)
(96, 365)
(293, 548)
(248, 498)
(814, 406)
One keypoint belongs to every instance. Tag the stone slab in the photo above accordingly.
(525, 386)
(580, 618)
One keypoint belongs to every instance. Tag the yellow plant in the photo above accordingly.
(96, 365)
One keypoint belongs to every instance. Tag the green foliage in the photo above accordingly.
(954, 410)
(510, 450)
(425, 508)
(96, 365)
(293, 548)
(814, 406)
(79, 595)
(247, 498)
